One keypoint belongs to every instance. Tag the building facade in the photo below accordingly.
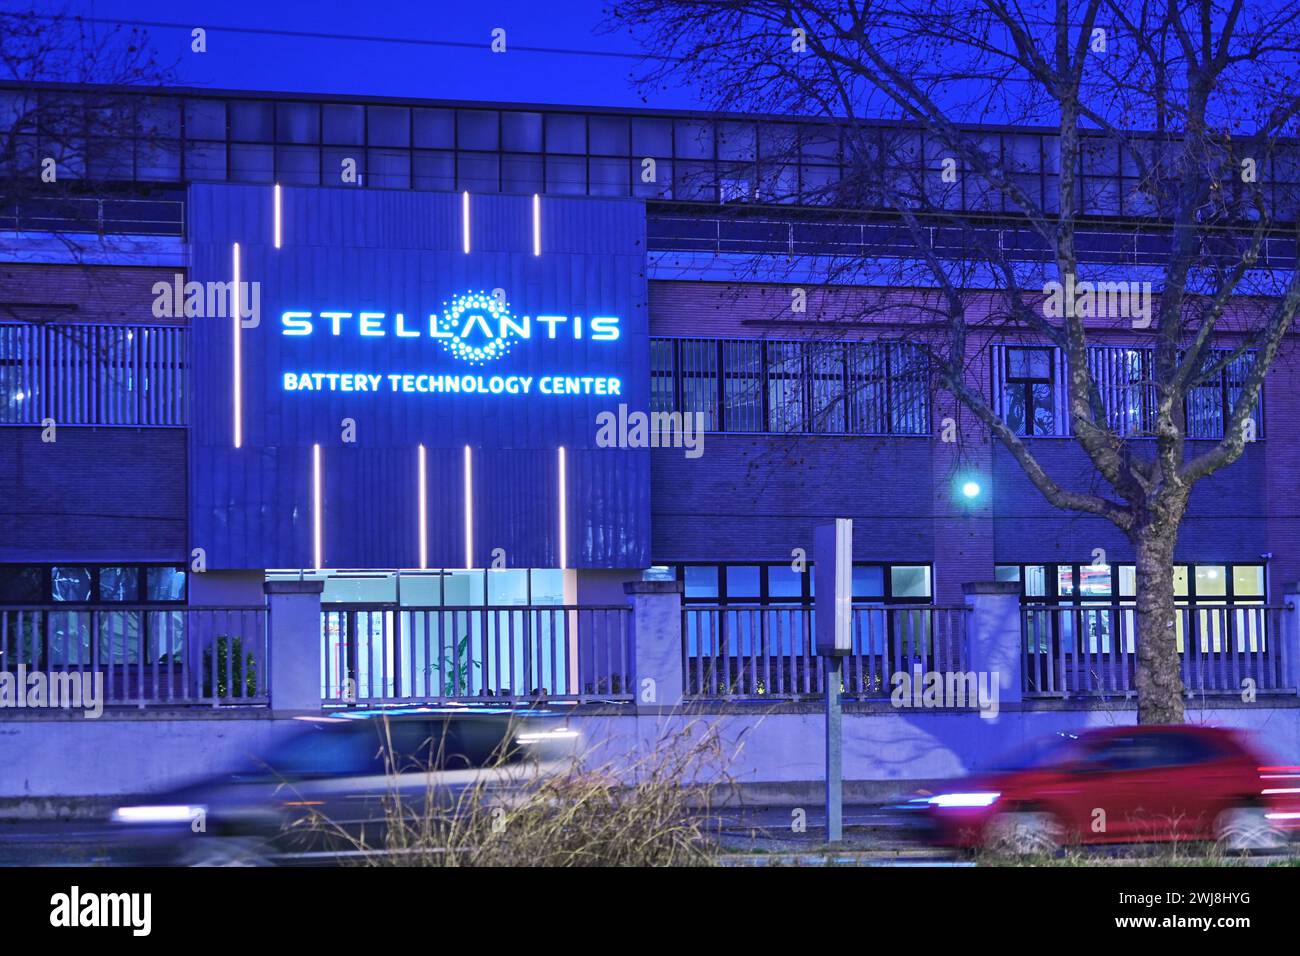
(448, 306)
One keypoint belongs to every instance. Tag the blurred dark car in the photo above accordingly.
(348, 772)
(1122, 785)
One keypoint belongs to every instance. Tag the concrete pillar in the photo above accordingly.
(1289, 640)
(295, 644)
(994, 634)
(657, 678)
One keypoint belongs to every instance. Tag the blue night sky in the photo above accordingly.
(577, 69)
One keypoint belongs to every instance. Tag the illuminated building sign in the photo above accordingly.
(388, 356)
(475, 327)
(452, 384)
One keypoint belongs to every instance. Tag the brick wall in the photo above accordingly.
(755, 497)
(93, 494)
(75, 293)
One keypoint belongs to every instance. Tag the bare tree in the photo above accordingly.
(73, 114)
(76, 128)
(1195, 97)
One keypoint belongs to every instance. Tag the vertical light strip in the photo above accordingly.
(469, 509)
(238, 385)
(564, 510)
(277, 215)
(464, 220)
(537, 224)
(317, 538)
(424, 513)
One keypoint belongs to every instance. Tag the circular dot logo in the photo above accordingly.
(477, 323)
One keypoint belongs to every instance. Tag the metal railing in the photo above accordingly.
(93, 374)
(148, 655)
(768, 651)
(1090, 649)
(104, 217)
(759, 235)
(382, 653)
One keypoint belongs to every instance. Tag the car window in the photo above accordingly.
(373, 747)
(1175, 750)
(1143, 751)
(480, 743)
(413, 744)
(1038, 754)
(1120, 753)
(453, 743)
(327, 751)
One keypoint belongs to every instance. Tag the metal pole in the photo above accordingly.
(834, 751)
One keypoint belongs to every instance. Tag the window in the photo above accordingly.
(698, 381)
(694, 139)
(782, 387)
(609, 136)
(566, 133)
(910, 581)
(435, 171)
(252, 121)
(345, 125)
(297, 164)
(160, 162)
(91, 584)
(742, 385)
(427, 588)
(521, 132)
(1217, 598)
(389, 168)
(252, 164)
(478, 172)
(22, 585)
(1028, 394)
(652, 137)
(785, 387)
(434, 129)
(477, 129)
(337, 161)
(566, 175)
(1210, 402)
(205, 119)
(782, 584)
(610, 177)
(1029, 387)
(205, 161)
(92, 374)
(699, 158)
(1142, 751)
(1074, 583)
(388, 126)
(164, 584)
(521, 174)
(119, 584)
(297, 123)
(1124, 377)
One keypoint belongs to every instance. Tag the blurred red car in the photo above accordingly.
(1123, 785)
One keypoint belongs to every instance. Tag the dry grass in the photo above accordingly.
(642, 810)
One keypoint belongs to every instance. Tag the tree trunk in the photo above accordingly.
(1159, 675)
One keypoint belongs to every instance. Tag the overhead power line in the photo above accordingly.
(362, 37)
